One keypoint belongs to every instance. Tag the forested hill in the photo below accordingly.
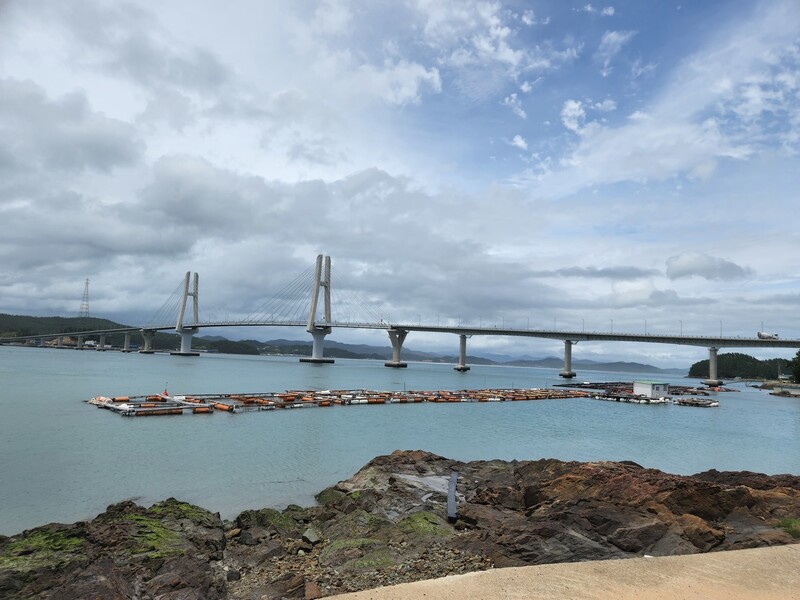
(21, 325)
(736, 364)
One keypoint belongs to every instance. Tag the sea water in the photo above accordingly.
(64, 460)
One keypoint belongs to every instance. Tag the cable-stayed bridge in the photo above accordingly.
(307, 302)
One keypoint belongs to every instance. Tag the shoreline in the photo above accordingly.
(388, 524)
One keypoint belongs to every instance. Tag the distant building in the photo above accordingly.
(651, 389)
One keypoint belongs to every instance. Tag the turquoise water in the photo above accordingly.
(64, 460)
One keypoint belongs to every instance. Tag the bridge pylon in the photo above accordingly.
(187, 331)
(318, 331)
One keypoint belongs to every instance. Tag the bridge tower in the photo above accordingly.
(318, 331)
(187, 331)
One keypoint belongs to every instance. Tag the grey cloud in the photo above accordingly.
(170, 106)
(131, 43)
(190, 192)
(317, 151)
(654, 298)
(152, 64)
(697, 264)
(617, 273)
(63, 134)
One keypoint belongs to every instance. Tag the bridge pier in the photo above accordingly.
(147, 335)
(712, 380)
(397, 337)
(60, 341)
(567, 372)
(318, 347)
(101, 345)
(186, 342)
(462, 367)
(126, 345)
(79, 343)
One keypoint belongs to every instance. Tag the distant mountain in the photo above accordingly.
(343, 350)
(593, 365)
(24, 325)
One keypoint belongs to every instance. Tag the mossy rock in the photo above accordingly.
(374, 561)
(175, 509)
(44, 547)
(361, 524)
(425, 523)
(330, 496)
(357, 554)
(266, 517)
(152, 538)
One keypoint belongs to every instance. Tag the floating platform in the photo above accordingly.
(164, 404)
(698, 402)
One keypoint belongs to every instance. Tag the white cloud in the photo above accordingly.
(513, 102)
(398, 82)
(528, 17)
(638, 69)
(480, 42)
(606, 105)
(332, 17)
(705, 114)
(607, 11)
(610, 45)
(519, 142)
(573, 115)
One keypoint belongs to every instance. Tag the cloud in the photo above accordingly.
(700, 118)
(513, 102)
(527, 86)
(607, 11)
(611, 44)
(615, 273)
(606, 105)
(62, 134)
(519, 142)
(690, 264)
(398, 82)
(480, 43)
(127, 41)
(573, 115)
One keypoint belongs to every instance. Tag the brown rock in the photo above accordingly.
(312, 591)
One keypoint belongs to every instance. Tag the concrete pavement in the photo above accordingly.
(756, 574)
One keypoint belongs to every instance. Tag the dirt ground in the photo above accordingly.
(757, 574)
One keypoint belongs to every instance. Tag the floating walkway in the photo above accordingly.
(165, 404)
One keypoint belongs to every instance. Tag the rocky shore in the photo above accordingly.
(388, 524)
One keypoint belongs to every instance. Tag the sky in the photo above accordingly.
(625, 165)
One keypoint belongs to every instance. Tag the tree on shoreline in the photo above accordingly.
(794, 365)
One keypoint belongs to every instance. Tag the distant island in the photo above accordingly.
(735, 365)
